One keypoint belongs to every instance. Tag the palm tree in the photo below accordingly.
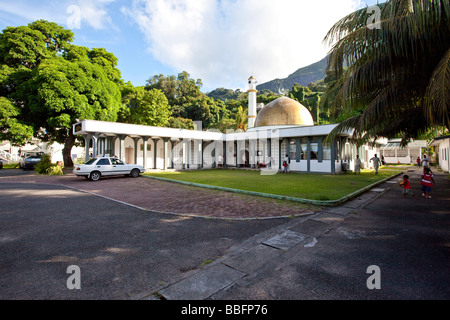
(395, 74)
(241, 119)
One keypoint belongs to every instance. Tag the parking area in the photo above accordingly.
(120, 250)
(166, 197)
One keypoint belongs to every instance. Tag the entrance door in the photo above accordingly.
(129, 155)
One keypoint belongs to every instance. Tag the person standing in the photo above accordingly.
(425, 161)
(357, 165)
(418, 161)
(286, 164)
(376, 163)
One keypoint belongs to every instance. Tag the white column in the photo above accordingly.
(155, 151)
(166, 153)
(136, 146)
(122, 147)
(252, 145)
(239, 162)
(198, 153)
(187, 153)
(87, 142)
(94, 145)
(144, 152)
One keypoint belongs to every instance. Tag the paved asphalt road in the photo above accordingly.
(121, 251)
(124, 252)
(408, 239)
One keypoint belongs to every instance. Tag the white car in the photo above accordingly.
(95, 168)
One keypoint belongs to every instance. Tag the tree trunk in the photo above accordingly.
(68, 144)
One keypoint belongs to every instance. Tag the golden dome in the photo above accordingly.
(284, 111)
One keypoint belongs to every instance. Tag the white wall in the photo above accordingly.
(405, 160)
(444, 156)
(298, 166)
(324, 166)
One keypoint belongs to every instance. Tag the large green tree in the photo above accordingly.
(393, 68)
(60, 92)
(187, 101)
(146, 107)
(49, 83)
(11, 128)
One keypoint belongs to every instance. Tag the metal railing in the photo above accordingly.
(8, 157)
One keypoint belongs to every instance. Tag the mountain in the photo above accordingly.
(226, 94)
(302, 76)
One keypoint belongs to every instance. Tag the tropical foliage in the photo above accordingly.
(241, 119)
(145, 107)
(392, 71)
(187, 101)
(11, 128)
(47, 84)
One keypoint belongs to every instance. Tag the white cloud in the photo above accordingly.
(70, 13)
(223, 42)
(95, 14)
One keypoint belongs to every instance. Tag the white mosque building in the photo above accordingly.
(282, 127)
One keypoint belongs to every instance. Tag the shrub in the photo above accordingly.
(55, 170)
(43, 165)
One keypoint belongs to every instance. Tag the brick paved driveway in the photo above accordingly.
(169, 197)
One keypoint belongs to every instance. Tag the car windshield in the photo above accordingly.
(91, 161)
(34, 157)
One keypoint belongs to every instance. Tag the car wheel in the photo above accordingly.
(95, 176)
(135, 173)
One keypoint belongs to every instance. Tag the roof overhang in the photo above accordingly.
(437, 141)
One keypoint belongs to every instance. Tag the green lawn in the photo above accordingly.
(10, 166)
(299, 185)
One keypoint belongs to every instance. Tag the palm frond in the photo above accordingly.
(393, 72)
(437, 98)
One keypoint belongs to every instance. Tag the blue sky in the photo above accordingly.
(222, 42)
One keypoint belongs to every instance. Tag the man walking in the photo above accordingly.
(425, 161)
(376, 163)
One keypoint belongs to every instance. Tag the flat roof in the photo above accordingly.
(105, 128)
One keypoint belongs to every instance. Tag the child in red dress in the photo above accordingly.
(406, 187)
(427, 182)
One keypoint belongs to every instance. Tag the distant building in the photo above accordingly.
(394, 153)
(442, 145)
(10, 153)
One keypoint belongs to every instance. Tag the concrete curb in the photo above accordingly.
(280, 197)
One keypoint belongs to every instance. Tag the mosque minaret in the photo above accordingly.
(251, 102)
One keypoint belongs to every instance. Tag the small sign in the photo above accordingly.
(78, 127)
